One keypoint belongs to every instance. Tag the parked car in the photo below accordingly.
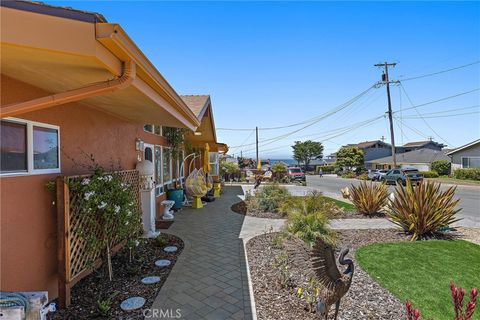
(376, 175)
(295, 173)
(401, 175)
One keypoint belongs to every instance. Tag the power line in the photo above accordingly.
(438, 100)
(314, 119)
(423, 119)
(440, 72)
(441, 116)
(412, 129)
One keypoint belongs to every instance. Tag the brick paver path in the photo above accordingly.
(210, 278)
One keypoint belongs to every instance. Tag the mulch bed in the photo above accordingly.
(241, 208)
(126, 281)
(365, 299)
(344, 214)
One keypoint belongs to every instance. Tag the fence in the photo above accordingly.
(74, 262)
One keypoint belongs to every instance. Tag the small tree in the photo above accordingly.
(441, 166)
(349, 156)
(306, 151)
(278, 168)
(228, 168)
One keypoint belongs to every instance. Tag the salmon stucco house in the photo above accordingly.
(73, 85)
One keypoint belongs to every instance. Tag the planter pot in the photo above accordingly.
(177, 196)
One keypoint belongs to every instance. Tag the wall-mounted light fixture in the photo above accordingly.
(139, 145)
(198, 133)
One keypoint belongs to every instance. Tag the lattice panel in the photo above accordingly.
(79, 259)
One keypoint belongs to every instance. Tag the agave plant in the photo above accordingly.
(424, 210)
(369, 198)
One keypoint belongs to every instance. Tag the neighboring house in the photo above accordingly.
(420, 159)
(467, 156)
(74, 85)
(373, 150)
(428, 144)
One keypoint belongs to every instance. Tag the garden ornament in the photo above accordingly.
(345, 193)
(167, 213)
(320, 260)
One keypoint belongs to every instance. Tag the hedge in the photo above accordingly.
(442, 167)
(430, 174)
(467, 174)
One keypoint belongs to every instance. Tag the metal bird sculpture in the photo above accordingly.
(320, 260)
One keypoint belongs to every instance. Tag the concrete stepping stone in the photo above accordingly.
(170, 249)
(150, 280)
(132, 303)
(162, 263)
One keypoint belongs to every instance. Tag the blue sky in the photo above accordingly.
(270, 64)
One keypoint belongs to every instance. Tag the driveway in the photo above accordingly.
(469, 196)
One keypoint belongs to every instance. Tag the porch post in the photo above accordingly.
(63, 242)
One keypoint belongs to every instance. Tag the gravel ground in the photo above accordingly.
(365, 300)
(126, 281)
(470, 234)
(241, 208)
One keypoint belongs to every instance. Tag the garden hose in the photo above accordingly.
(13, 299)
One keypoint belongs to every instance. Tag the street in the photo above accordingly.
(469, 196)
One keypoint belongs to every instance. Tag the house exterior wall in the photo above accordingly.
(375, 153)
(472, 151)
(28, 216)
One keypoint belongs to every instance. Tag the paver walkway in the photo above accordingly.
(210, 279)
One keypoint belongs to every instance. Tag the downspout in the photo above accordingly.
(91, 90)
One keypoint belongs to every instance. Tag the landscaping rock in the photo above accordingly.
(150, 280)
(170, 249)
(162, 263)
(132, 303)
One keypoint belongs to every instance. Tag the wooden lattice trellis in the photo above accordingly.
(74, 262)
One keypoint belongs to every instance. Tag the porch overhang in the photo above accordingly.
(62, 54)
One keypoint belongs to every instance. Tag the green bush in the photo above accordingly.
(279, 167)
(424, 210)
(363, 176)
(467, 174)
(314, 202)
(349, 175)
(430, 174)
(442, 167)
(267, 199)
(309, 227)
(328, 168)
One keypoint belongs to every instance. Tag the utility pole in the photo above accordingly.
(241, 154)
(256, 142)
(390, 117)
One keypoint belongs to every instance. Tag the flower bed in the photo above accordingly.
(93, 292)
(365, 300)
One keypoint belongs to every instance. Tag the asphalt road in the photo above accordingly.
(469, 196)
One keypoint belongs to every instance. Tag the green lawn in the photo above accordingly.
(342, 204)
(422, 270)
(446, 179)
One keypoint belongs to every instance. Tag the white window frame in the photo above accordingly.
(468, 161)
(153, 129)
(159, 187)
(169, 182)
(30, 155)
(215, 164)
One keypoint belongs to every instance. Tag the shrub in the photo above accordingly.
(268, 198)
(369, 198)
(442, 167)
(467, 174)
(349, 175)
(363, 176)
(328, 168)
(314, 202)
(424, 210)
(279, 167)
(430, 174)
(309, 226)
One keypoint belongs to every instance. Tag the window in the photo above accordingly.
(158, 171)
(29, 147)
(153, 128)
(470, 162)
(214, 166)
(167, 167)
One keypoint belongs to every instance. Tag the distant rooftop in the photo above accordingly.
(416, 156)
